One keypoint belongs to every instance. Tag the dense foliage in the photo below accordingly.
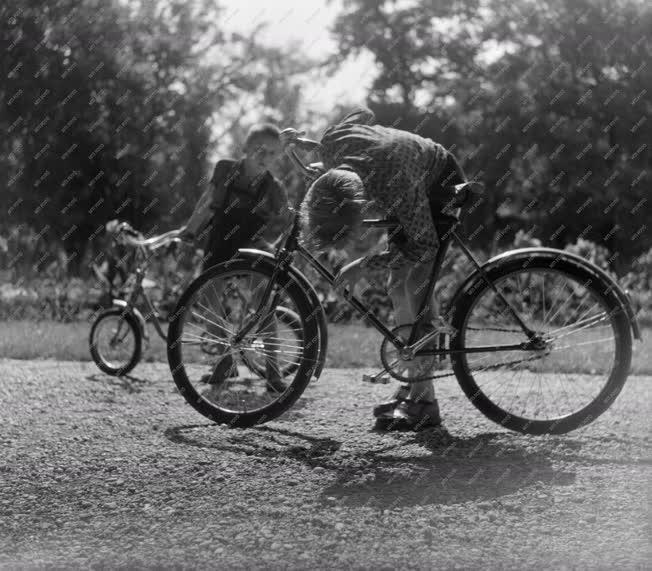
(115, 109)
(547, 101)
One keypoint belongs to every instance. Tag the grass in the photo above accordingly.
(349, 346)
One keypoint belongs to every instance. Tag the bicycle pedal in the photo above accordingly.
(376, 379)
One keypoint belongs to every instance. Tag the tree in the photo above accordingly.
(109, 108)
(545, 100)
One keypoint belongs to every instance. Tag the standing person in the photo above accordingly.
(403, 176)
(243, 201)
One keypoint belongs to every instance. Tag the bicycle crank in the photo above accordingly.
(403, 365)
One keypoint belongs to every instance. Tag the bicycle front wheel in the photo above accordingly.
(220, 384)
(576, 370)
(116, 341)
(289, 327)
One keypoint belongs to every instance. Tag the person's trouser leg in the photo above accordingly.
(218, 328)
(219, 324)
(407, 288)
(273, 360)
(268, 329)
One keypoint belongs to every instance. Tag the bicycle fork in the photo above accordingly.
(265, 307)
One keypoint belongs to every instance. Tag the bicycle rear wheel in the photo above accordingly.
(580, 366)
(213, 309)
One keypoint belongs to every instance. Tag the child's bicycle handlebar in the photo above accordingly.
(125, 234)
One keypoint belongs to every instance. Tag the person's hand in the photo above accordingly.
(185, 236)
(289, 136)
(349, 275)
(262, 244)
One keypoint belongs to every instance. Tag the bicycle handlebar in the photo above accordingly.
(154, 242)
(309, 171)
(127, 235)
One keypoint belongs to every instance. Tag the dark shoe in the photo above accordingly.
(410, 415)
(275, 386)
(388, 406)
(225, 369)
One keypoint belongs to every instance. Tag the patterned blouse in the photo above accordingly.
(397, 168)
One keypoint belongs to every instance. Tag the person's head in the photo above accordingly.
(262, 145)
(333, 209)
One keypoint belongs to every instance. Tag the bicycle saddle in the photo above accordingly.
(456, 195)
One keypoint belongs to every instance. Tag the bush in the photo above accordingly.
(46, 299)
(638, 282)
(51, 297)
(594, 253)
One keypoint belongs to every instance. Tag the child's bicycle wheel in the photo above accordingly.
(213, 309)
(116, 341)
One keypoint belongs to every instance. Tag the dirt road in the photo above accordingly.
(122, 473)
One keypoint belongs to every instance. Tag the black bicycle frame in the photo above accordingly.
(138, 292)
(446, 229)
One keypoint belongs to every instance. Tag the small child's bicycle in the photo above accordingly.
(540, 340)
(117, 334)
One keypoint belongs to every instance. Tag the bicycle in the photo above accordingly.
(520, 324)
(117, 334)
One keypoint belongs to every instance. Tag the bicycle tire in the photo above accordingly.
(134, 326)
(465, 302)
(307, 362)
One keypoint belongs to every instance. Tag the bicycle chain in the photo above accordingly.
(489, 367)
(494, 329)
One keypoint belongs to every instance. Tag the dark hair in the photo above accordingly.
(260, 130)
(332, 209)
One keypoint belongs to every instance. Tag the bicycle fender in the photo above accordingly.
(526, 254)
(298, 276)
(139, 316)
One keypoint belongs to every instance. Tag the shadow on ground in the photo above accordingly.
(431, 467)
(129, 383)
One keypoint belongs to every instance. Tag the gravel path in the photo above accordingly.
(122, 473)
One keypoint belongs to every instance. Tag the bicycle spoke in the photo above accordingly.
(604, 340)
(211, 322)
(215, 341)
(273, 347)
(588, 327)
(543, 298)
(204, 331)
(224, 323)
(589, 321)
